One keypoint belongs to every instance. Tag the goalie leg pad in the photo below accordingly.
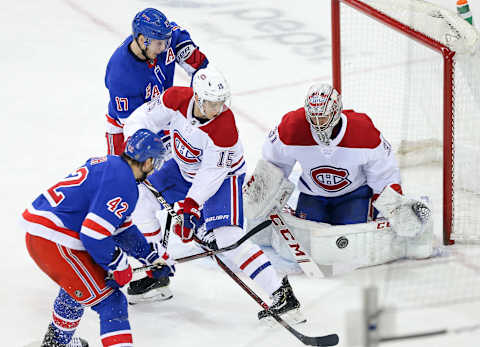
(266, 189)
(363, 244)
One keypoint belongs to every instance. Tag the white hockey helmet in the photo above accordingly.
(209, 84)
(323, 106)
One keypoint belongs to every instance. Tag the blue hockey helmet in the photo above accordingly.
(145, 144)
(152, 24)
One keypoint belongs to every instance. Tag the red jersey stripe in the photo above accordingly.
(90, 224)
(33, 218)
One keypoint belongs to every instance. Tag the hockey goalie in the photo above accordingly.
(350, 207)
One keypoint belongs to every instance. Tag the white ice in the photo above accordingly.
(53, 60)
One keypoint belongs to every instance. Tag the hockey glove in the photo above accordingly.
(190, 212)
(163, 265)
(119, 270)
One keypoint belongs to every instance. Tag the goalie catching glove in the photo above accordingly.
(408, 217)
(163, 265)
(190, 213)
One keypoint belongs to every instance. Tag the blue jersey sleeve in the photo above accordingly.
(112, 203)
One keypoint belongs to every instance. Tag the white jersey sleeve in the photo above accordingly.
(274, 151)
(153, 115)
(382, 168)
(217, 164)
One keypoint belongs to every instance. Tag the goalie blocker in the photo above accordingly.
(406, 233)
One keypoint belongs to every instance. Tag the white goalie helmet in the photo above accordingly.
(210, 84)
(323, 106)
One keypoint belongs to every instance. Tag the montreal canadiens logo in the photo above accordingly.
(330, 179)
(184, 151)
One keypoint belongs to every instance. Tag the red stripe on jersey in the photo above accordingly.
(196, 59)
(95, 226)
(235, 202)
(126, 224)
(152, 234)
(113, 121)
(238, 162)
(117, 339)
(249, 260)
(49, 224)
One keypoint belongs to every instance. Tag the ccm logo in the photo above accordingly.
(287, 235)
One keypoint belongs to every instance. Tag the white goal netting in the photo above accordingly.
(399, 83)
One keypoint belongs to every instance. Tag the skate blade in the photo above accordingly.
(157, 294)
(292, 317)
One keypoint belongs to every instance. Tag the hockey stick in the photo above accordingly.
(171, 212)
(244, 238)
(309, 267)
(326, 340)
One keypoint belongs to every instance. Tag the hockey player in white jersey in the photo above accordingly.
(346, 166)
(206, 174)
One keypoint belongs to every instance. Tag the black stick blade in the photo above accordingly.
(327, 340)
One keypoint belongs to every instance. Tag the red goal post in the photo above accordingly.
(416, 28)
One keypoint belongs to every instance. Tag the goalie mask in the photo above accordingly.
(323, 106)
(212, 91)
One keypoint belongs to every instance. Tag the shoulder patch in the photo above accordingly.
(178, 98)
(222, 130)
(294, 130)
(360, 132)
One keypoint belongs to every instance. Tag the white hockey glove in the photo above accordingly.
(408, 217)
(266, 190)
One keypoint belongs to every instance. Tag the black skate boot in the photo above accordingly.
(149, 289)
(284, 303)
(49, 340)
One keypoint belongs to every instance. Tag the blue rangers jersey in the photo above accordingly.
(90, 210)
(131, 81)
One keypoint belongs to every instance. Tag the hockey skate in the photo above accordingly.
(285, 304)
(49, 341)
(149, 289)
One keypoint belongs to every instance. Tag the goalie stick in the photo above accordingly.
(301, 256)
(326, 340)
(244, 238)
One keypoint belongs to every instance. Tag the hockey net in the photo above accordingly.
(414, 68)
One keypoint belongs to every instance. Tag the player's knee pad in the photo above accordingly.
(113, 308)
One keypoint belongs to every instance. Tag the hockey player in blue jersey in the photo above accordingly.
(138, 71)
(79, 232)
(143, 67)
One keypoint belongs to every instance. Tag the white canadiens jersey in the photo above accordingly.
(205, 153)
(359, 155)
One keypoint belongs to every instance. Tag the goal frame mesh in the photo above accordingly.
(448, 95)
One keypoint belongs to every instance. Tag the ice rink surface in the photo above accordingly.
(52, 66)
